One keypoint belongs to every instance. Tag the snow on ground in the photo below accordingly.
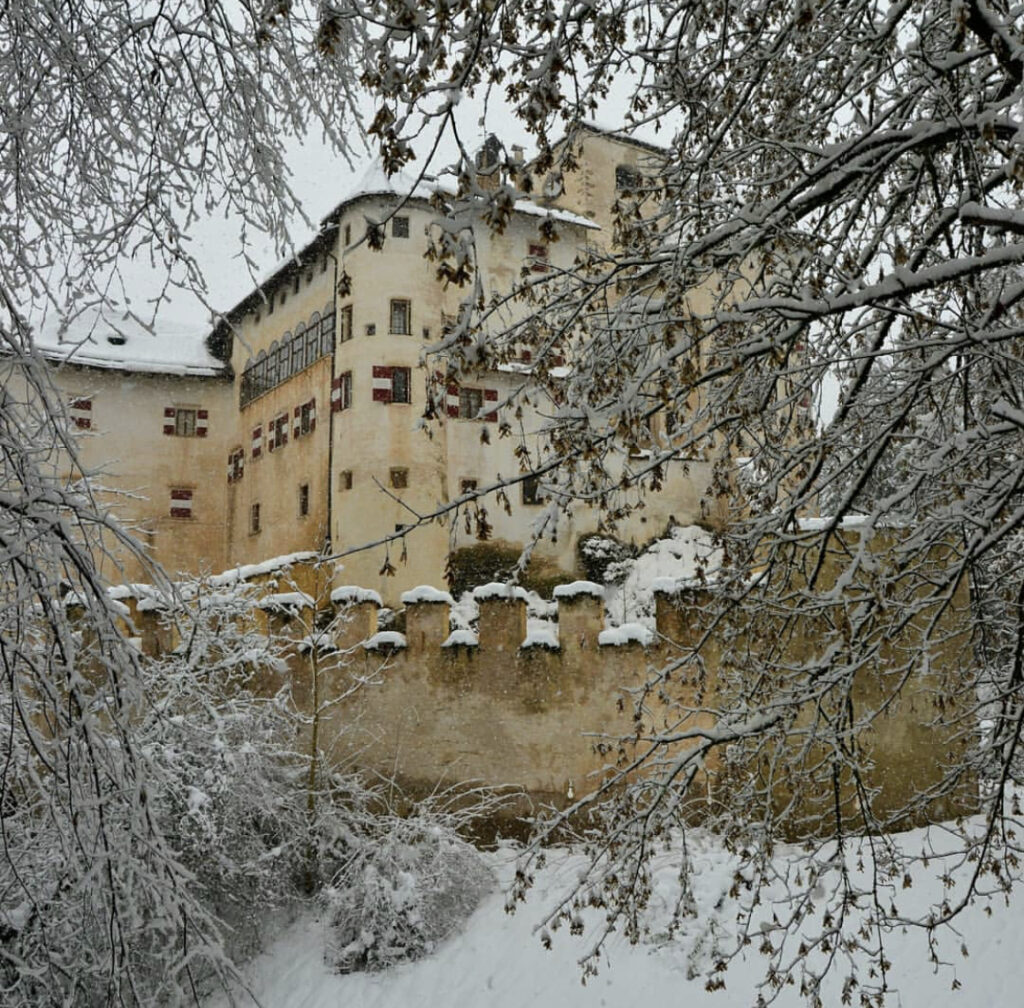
(498, 960)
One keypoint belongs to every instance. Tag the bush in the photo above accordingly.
(402, 891)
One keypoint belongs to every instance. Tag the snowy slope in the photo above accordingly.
(499, 961)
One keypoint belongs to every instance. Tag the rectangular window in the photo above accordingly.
(391, 384)
(295, 284)
(80, 412)
(399, 227)
(467, 486)
(401, 391)
(304, 419)
(531, 490)
(346, 324)
(254, 519)
(303, 500)
(401, 317)
(236, 465)
(181, 503)
(341, 392)
(399, 478)
(185, 422)
(345, 479)
(539, 257)
(278, 436)
(471, 402)
(348, 235)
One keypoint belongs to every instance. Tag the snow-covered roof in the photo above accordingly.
(121, 342)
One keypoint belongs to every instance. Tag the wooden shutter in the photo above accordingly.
(382, 387)
(452, 400)
(181, 503)
(257, 441)
(81, 413)
(202, 422)
(312, 415)
(491, 395)
(169, 414)
(297, 422)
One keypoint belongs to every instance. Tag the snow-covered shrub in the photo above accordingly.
(401, 889)
(602, 557)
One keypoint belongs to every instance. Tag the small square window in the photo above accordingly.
(539, 257)
(303, 500)
(467, 486)
(401, 317)
(345, 479)
(399, 227)
(399, 478)
(531, 490)
(400, 385)
(401, 526)
(371, 329)
(254, 519)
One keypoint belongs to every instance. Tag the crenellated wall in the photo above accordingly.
(548, 712)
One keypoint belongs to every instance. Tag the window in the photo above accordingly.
(346, 324)
(399, 227)
(80, 412)
(467, 486)
(312, 341)
(327, 331)
(531, 490)
(391, 384)
(400, 385)
(284, 297)
(304, 419)
(278, 435)
(303, 500)
(399, 478)
(181, 503)
(254, 519)
(348, 235)
(236, 465)
(539, 257)
(255, 317)
(345, 479)
(270, 305)
(627, 178)
(295, 284)
(401, 317)
(341, 392)
(471, 401)
(185, 422)
(257, 441)
(467, 403)
(371, 329)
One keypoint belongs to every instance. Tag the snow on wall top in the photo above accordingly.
(461, 636)
(121, 342)
(628, 633)
(246, 571)
(287, 600)
(497, 590)
(384, 639)
(577, 588)
(426, 593)
(354, 594)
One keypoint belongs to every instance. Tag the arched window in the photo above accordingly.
(245, 392)
(259, 371)
(299, 349)
(284, 358)
(313, 339)
(272, 363)
(627, 178)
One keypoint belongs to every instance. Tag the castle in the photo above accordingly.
(297, 423)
